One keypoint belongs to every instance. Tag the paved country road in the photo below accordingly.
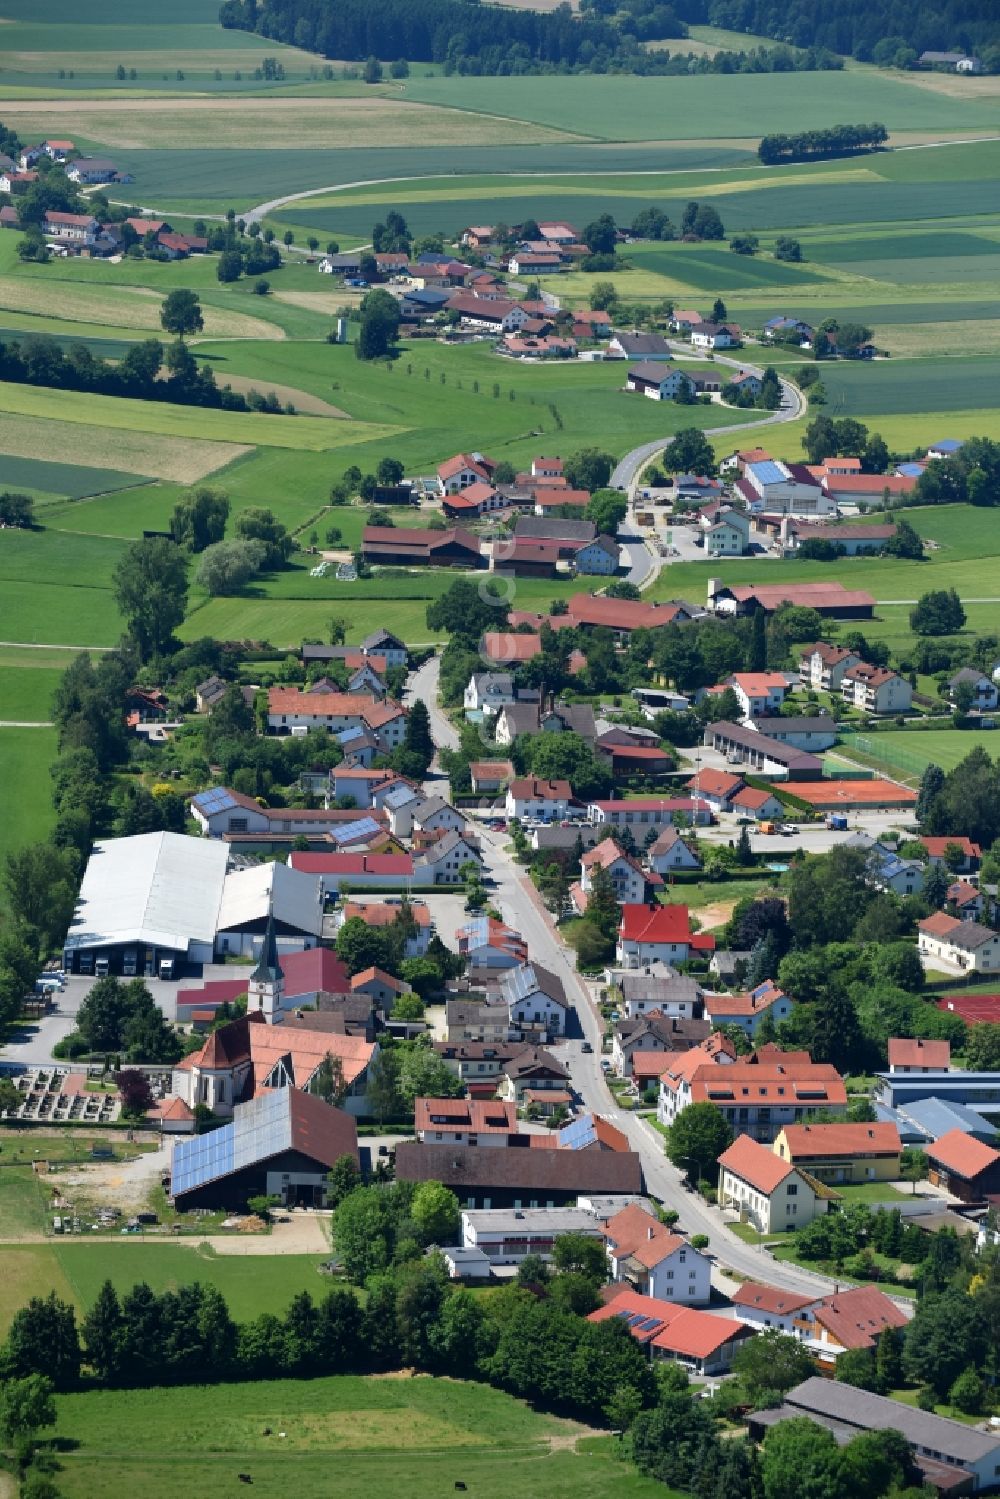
(644, 565)
(521, 906)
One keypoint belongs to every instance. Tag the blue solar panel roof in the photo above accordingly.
(260, 1129)
(217, 799)
(579, 1134)
(353, 832)
(767, 472)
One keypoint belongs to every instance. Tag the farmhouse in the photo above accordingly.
(89, 169)
(960, 946)
(289, 709)
(831, 599)
(398, 546)
(657, 381)
(644, 348)
(282, 1144)
(700, 1341)
(73, 228)
(493, 315)
(483, 1177)
(715, 336)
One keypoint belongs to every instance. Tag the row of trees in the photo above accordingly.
(146, 372)
(835, 140)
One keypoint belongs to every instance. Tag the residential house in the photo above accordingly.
(471, 1019)
(435, 814)
(527, 717)
(646, 1255)
(289, 710)
(888, 871)
(627, 875)
(985, 692)
(966, 900)
(759, 692)
(464, 1121)
(477, 1064)
(683, 319)
(532, 797)
(963, 854)
(91, 169)
(535, 1076)
(958, 946)
(842, 1153)
(651, 1039)
(747, 1010)
(755, 802)
(651, 933)
(381, 989)
(659, 990)
(644, 348)
(536, 1001)
(788, 329)
(72, 228)
(490, 777)
(729, 534)
(907, 1054)
(493, 314)
(770, 1306)
(716, 787)
(715, 336)
(671, 851)
(657, 381)
(964, 1166)
(380, 914)
(702, 1342)
(440, 858)
(768, 1193)
(487, 944)
(650, 812)
(757, 1095)
(876, 689)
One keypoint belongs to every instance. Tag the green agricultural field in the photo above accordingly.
(25, 757)
(417, 1436)
(61, 478)
(26, 687)
(909, 386)
(622, 108)
(55, 588)
(712, 270)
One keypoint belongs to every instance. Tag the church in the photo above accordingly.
(272, 1048)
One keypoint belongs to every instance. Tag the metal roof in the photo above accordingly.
(161, 889)
(293, 896)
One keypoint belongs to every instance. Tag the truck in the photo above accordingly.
(102, 967)
(837, 821)
(768, 827)
(166, 968)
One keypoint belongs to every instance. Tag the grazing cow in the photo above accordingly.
(459, 1484)
(244, 1478)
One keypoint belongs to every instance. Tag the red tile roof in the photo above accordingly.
(683, 1331)
(962, 1154)
(855, 1318)
(481, 1116)
(760, 683)
(906, 1052)
(620, 614)
(382, 913)
(635, 1234)
(755, 1164)
(348, 864)
(532, 788)
(718, 783)
(656, 923)
(753, 798)
(770, 1299)
(808, 1142)
(936, 847)
(289, 700)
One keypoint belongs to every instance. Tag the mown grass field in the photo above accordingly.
(25, 757)
(418, 1436)
(911, 752)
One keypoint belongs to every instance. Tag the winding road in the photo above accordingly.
(644, 565)
(522, 907)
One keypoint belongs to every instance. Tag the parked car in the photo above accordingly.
(586, 1047)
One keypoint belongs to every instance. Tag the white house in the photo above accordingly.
(653, 933)
(759, 691)
(435, 815)
(660, 990)
(487, 692)
(441, 862)
(643, 1253)
(769, 1194)
(748, 1010)
(876, 689)
(913, 1056)
(755, 802)
(532, 797)
(985, 693)
(672, 851)
(657, 381)
(536, 1001)
(289, 710)
(649, 812)
(729, 534)
(823, 666)
(627, 875)
(958, 946)
(715, 336)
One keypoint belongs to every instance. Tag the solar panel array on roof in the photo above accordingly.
(354, 832)
(217, 799)
(519, 983)
(579, 1134)
(768, 472)
(260, 1129)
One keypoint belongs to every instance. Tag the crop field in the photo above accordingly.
(711, 270)
(152, 455)
(419, 1436)
(625, 108)
(911, 385)
(122, 307)
(187, 123)
(66, 479)
(25, 757)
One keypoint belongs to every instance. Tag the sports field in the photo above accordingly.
(415, 1436)
(908, 754)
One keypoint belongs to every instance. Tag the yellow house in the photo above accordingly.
(772, 1195)
(842, 1153)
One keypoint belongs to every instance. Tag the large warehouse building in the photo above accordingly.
(282, 1144)
(162, 905)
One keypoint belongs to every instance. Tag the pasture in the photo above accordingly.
(418, 1436)
(25, 757)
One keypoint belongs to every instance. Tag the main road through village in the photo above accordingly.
(520, 905)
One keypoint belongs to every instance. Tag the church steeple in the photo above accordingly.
(267, 982)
